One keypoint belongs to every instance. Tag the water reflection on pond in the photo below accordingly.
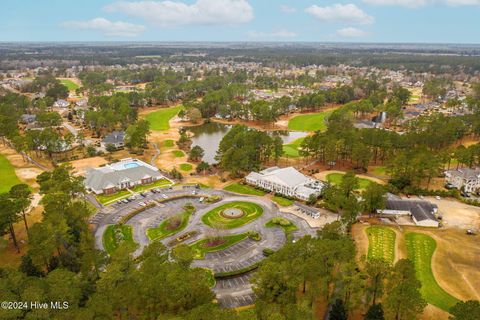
(209, 135)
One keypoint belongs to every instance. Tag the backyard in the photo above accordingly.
(420, 249)
(159, 119)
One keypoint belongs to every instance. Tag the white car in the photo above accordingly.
(164, 196)
(143, 204)
(438, 198)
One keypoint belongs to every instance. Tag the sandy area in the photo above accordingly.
(457, 214)
(82, 164)
(25, 171)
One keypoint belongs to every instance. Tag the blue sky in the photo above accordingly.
(431, 21)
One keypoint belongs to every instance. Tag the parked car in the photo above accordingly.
(142, 204)
(438, 198)
(470, 232)
(125, 201)
(131, 198)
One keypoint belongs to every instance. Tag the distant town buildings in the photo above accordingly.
(286, 181)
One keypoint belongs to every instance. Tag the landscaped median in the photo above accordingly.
(108, 199)
(219, 217)
(288, 226)
(212, 244)
(381, 243)
(169, 226)
(420, 249)
(115, 235)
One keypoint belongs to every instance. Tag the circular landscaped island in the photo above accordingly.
(232, 215)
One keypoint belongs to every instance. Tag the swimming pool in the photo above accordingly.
(130, 165)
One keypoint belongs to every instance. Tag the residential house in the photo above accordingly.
(465, 179)
(115, 138)
(60, 103)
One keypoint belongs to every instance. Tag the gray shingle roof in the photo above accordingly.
(421, 210)
(114, 137)
(99, 179)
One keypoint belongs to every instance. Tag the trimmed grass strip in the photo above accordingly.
(244, 189)
(200, 249)
(381, 243)
(159, 120)
(420, 249)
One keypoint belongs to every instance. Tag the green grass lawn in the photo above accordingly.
(156, 184)
(336, 178)
(284, 202)
(164, 230)
(107, 199)
(186, 167)
(229, 240)
(168, 143)
(309, 122)
(178, 153)
(288, 226)
(72, 86)
(159, 119)
(244, 189)
(420, 248)
(7, 174)
(381, 243)
(111, 237)
(214, 219)
(292, 149)
(380, 170)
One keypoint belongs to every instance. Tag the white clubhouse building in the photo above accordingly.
(288, 182)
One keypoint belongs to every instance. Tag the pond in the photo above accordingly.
(209, 135)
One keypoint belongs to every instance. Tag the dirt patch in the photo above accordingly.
(434, 313)
(81, 165)
(457, 214)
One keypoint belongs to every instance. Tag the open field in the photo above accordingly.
(186, 166)
(200, 247)
(107, 199)
(336, 178)
(159, 120)
(178, 153)
(381, 243)
(72, 86)
(309, 122)
(7, 172)
(214, 217)
(114, 235)
(244, 189)
(420, 249)
(169, 227)
(291, 149)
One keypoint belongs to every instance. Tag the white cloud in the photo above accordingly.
(351, 32)
(340, 13)
(287, 9)
(279, 34)
(463, 2)
(107, 27)
(422, 3)
(174, 13)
